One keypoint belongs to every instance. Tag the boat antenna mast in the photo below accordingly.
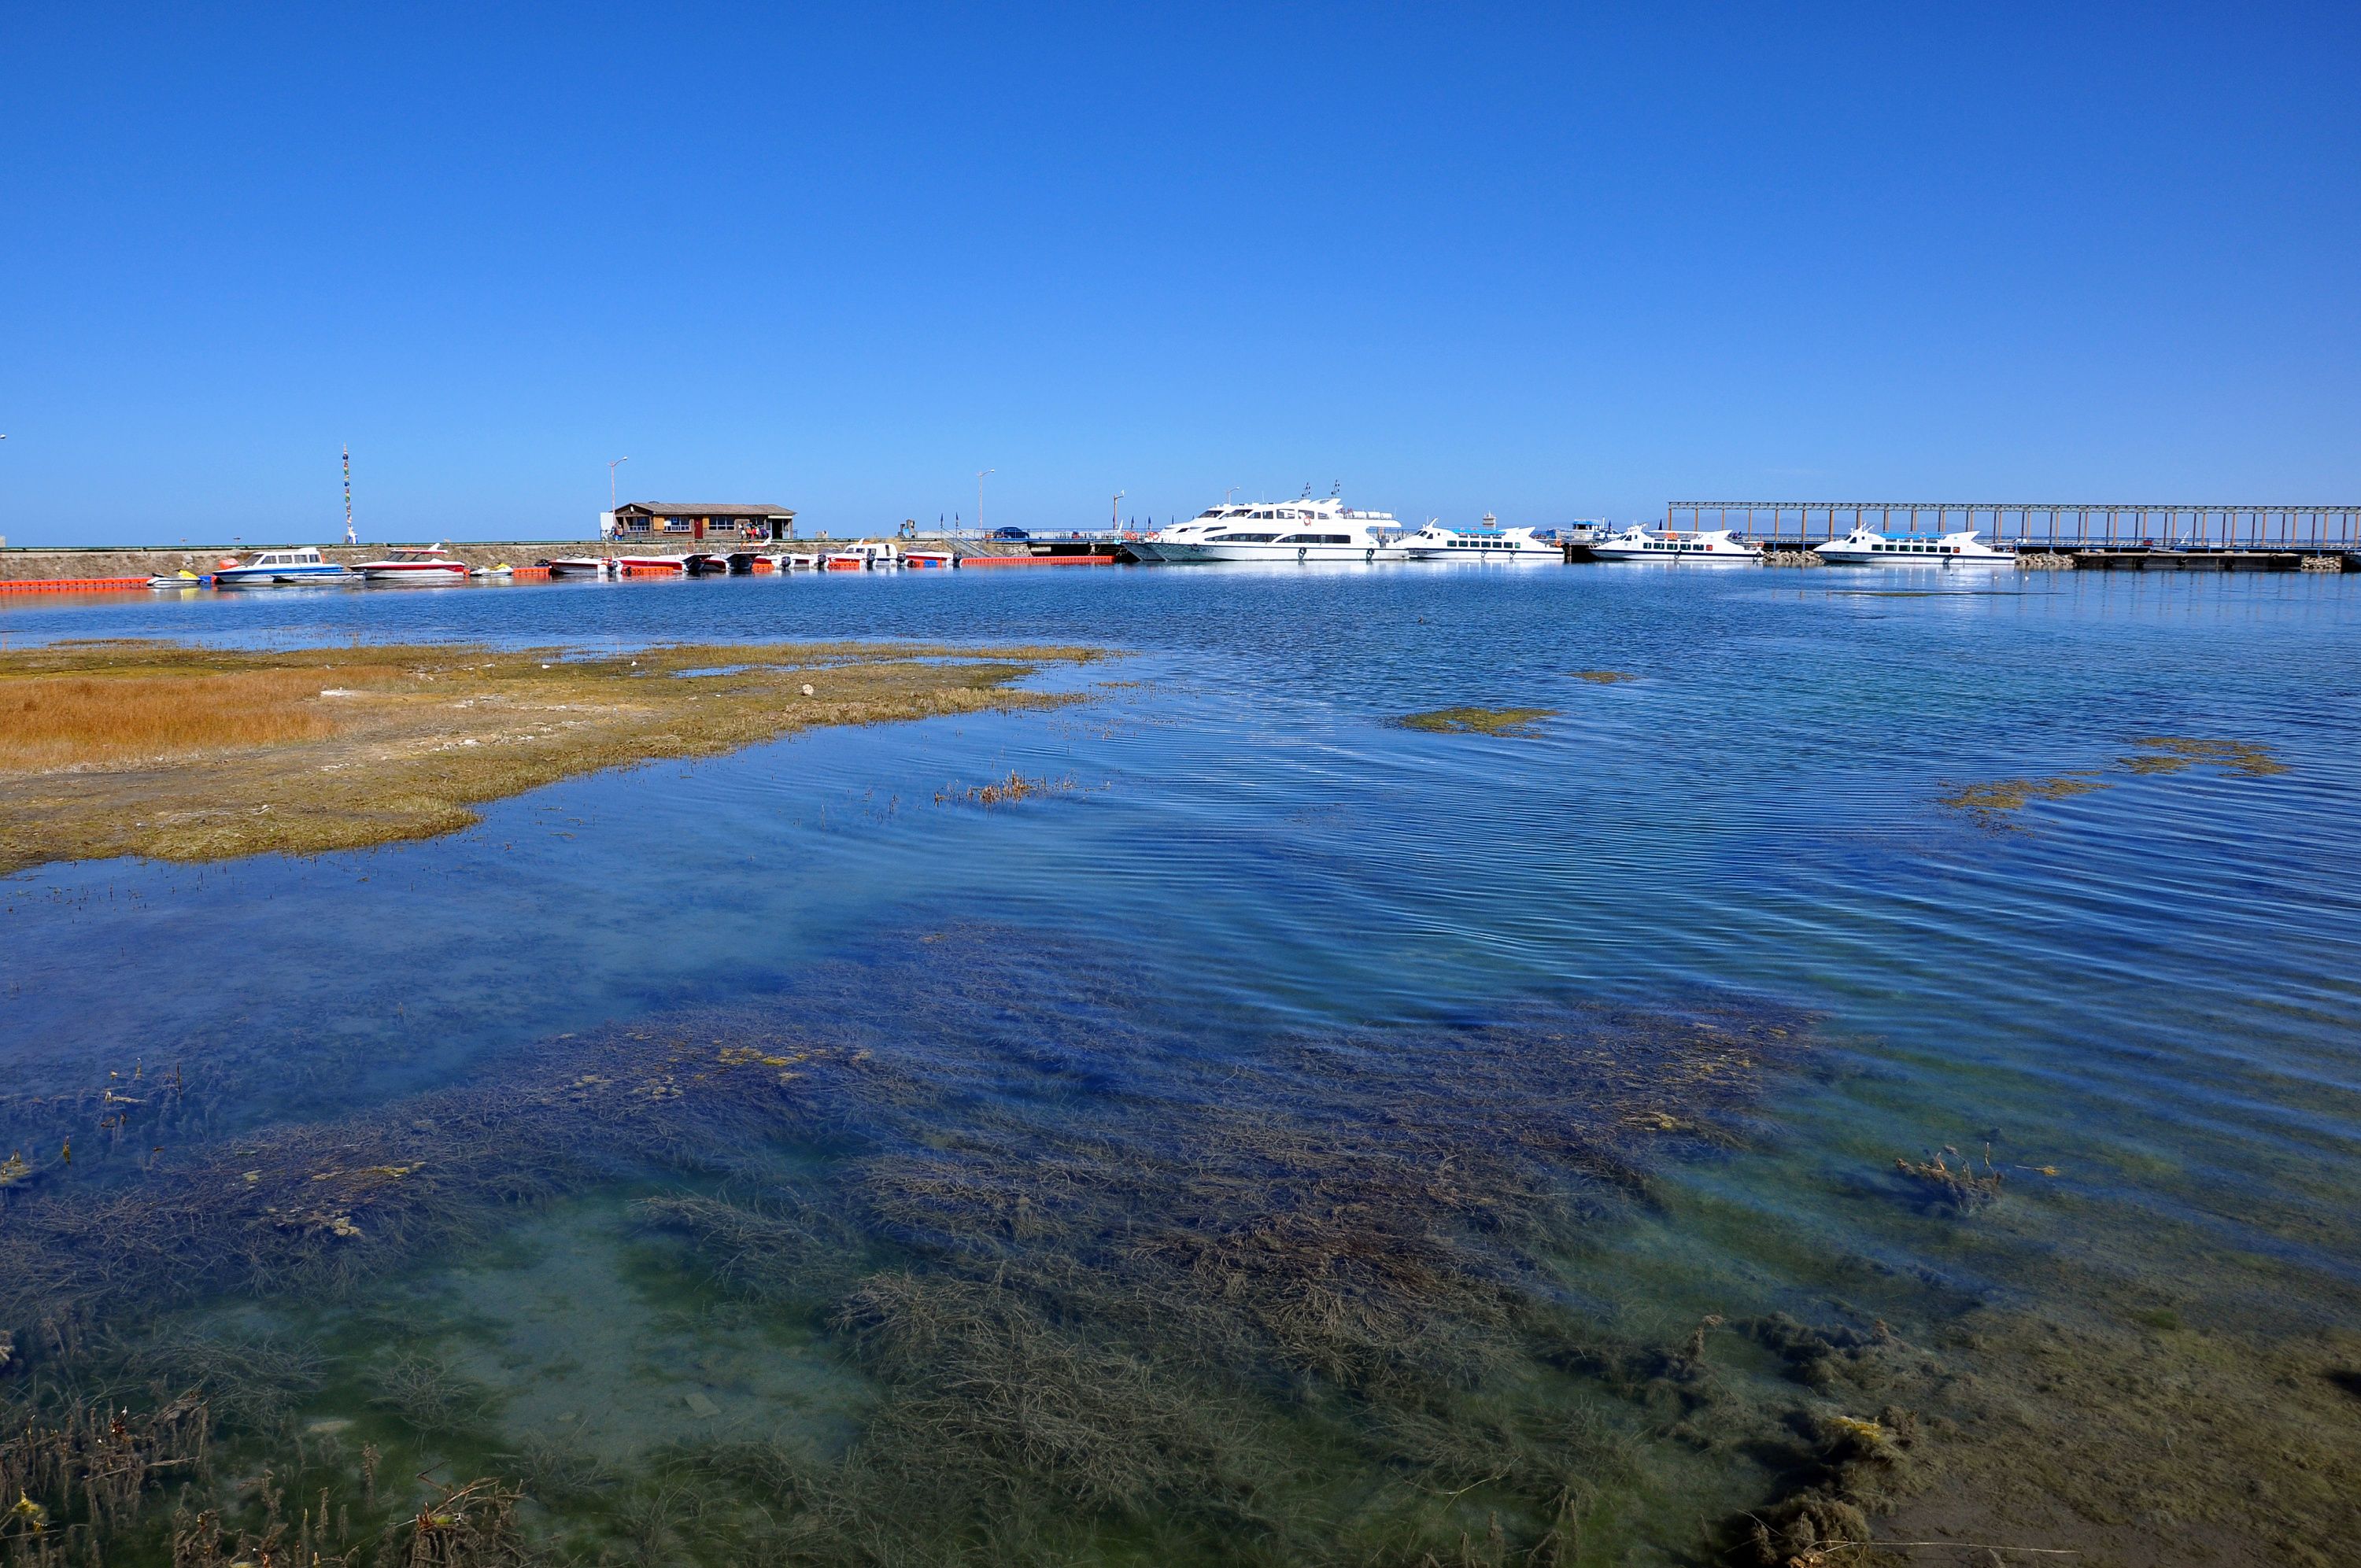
(349, 536)
(1335, 489)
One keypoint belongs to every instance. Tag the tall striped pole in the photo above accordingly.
(348, 494)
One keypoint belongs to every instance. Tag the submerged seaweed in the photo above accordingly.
(1517, 722)
(2172, 754)
(1110, 1269)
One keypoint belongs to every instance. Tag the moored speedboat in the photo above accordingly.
(184, 578)
(651, 565)
(1673, 548)
(929, 560)
(580, 566)
(502, 570)
(431, 564)
(863, 555)
(1868, 547)
(285, 569)
(1487, 542)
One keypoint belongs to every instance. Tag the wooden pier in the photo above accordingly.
(2125, 536)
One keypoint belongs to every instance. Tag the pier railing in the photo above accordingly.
(2067, 525)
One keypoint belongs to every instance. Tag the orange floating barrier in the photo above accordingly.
(1038, 561)
(71, 584)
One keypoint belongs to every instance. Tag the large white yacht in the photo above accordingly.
(1867, 547)
(1673, 548)
(1488, 541)
(1301, 531)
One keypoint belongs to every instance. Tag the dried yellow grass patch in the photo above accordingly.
(76, 720)
(194, 754)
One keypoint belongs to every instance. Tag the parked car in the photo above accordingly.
(1010, 534)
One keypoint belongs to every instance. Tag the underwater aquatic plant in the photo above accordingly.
(1282, 1297)
(1476, 720)
(78, 1468)
(431, 1394)
(1001, 792)
(251, 1383)
(2172, 754)
(551, 1472)
(1963, 1188)
(1984, 801)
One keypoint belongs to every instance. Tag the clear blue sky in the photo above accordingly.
(1553, 262)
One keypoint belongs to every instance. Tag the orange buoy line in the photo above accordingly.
(1038, 561)
(71, 585)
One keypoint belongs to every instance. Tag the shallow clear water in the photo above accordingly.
(2150, 988)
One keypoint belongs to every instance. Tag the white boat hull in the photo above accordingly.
(286, 577)
(455, 573)
(1712, 547)
(1864, 547)
(1294, 555)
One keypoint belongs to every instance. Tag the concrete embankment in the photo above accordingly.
(37, 564)
(105, 564)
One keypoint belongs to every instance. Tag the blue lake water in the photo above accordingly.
(2149, 989)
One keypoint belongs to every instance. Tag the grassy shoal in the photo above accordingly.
(182, 754)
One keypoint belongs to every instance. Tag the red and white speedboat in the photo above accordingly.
(431, 564)
(651, 565)
(580, 566)
(929, 560)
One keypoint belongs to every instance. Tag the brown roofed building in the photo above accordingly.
(704, 519)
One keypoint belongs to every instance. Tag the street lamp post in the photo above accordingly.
(978, 497)
(1112, 526)
(611, 480)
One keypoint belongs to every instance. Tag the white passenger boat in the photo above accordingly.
(431, 564)
(1868, 547)
(1672, 547)
(1486, 542)
(285, 569)
(1302, 530)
